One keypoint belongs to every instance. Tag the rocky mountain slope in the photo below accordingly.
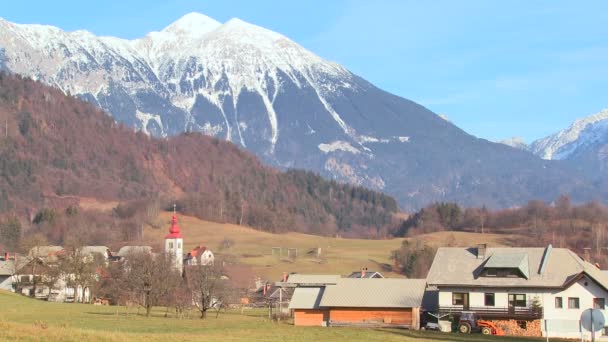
(584, 144)
(58, 148)
(264, 92)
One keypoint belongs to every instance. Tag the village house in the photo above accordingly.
(523, 290)
(364, 273)
(200, 255)
(7, 270)
(329, 300)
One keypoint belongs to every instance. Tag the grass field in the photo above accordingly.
(25, 319)
(338, 255)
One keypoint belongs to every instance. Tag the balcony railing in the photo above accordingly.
(490, 312)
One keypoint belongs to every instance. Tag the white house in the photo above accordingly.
(200, 255)
(531, 291)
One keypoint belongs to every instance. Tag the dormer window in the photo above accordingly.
(513, 265)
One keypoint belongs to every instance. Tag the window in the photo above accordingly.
(489, 299)
(559, 302)
(573, 303)
(179, 245)
(170, 245)
(517, 300)
(458, 298)
(599, 303)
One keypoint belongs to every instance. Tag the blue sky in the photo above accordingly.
(496, 68)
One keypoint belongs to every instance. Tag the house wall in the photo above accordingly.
(562, 322)
(309, 317)
(477, 296)
(382, 315)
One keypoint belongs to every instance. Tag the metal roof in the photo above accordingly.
(7, 267)
(455, 266)
(306, 298)
(125, 250)
(510, 260)
(368, 274)
(376, 293)
(312, 279)
(95, 249)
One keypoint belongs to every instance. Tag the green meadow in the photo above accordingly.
(25, 319)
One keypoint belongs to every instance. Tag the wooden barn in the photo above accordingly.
(360, 302)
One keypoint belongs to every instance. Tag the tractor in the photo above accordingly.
(468, 323)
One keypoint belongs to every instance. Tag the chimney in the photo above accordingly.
(481, 250)
(284, 276)
(6, 256)
(265, 288)
(587, 254)
(363, 270)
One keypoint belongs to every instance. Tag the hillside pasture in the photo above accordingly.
(338, 255)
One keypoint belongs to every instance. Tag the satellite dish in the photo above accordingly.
(593, 318)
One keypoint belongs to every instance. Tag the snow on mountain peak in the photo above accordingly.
(515, 142)
(194, 24)
(561, 144)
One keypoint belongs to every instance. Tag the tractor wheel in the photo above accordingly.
(464, 328)
(486, 331)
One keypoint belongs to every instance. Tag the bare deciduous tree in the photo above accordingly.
(150, 277)
(79, 270)
(207, 286)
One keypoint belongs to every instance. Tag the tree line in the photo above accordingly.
(582, 228)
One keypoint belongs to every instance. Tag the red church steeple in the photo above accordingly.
(174, 232)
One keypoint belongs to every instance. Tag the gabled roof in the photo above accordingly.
(125, 250)
(454, 266)
(45, 251)
(368, 274)
(306, 298)
(312, 279)
(86, 250)
(376, 293)
(7, 267)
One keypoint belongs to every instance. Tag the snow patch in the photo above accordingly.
(145, 118)
(338, 145)
(209, 129)
(561, 144)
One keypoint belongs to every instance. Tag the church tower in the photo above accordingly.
(174, 243)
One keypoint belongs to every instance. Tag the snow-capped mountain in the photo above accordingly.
(583, 133)
(584, 145)
(516, 142)
(266, 93)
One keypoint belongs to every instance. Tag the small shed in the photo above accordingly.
(375, 302)
(360, 302)
(305, 304)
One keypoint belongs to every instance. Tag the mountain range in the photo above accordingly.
(260, 90)
(584, 144)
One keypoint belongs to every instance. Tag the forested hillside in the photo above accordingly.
(55, 149)
(582, 228)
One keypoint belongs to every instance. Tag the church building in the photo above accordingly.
(174, 244)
